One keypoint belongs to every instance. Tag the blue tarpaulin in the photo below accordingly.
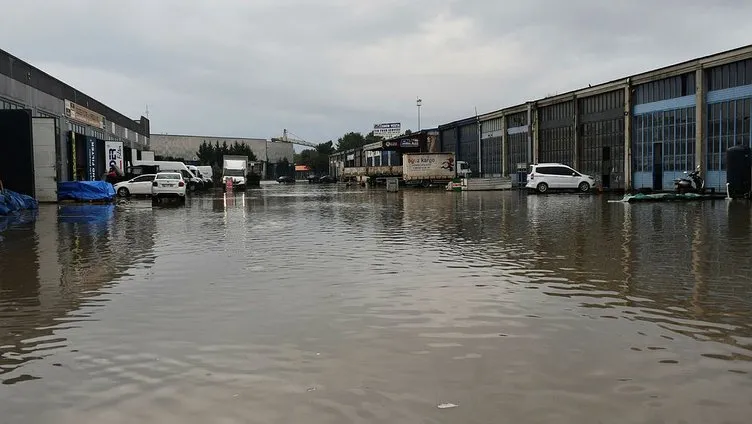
(11, 202)
(85, 190)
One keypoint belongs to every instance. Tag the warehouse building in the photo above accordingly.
(268, 153)
(638, 132)
(382, 158)
(52, 132)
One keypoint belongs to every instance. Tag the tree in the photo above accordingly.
(317, 159)
(370, 138)
(285, 168)
(351, 140)
(325, 148)
(211, 155)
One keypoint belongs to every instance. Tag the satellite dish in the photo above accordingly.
(195, 158)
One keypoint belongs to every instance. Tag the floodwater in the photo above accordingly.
(325, 304)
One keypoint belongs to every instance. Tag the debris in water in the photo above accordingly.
(447, 405)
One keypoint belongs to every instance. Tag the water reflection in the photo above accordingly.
(345, 304)
(49, 271)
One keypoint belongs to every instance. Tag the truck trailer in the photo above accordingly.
(426, 169)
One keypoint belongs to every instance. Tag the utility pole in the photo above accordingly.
(418, 103)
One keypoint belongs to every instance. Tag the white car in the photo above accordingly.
(139, 186)
(168, 185)
(545, 176)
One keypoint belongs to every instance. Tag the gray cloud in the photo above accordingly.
(321, 68)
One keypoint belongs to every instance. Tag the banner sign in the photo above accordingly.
(113, 151)
(409, 143)
(387, 130)
(83, 115)
(91, 159)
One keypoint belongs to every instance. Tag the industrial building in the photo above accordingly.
(268, 153)
(53, 132)
(637, 132)
(383, 158)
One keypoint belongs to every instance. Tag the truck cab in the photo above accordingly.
(463, 169)
(234, 171)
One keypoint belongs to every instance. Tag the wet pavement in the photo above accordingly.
(327, 304)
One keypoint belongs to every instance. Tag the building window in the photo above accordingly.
(728, 125)
(669, 88)
(729, 75)
(674, 130)
(7, 104)
(77, 128)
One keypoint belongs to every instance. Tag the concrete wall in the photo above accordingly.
(186, 146)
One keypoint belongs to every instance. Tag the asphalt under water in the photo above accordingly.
(324, 304)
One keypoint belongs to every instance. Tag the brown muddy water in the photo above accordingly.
(324, 304)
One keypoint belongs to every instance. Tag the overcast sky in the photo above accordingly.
(323, 68)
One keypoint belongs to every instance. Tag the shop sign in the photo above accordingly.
(114, 153)
(390, 144)
(83, 115)
(409, 143)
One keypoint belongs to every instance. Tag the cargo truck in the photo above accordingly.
(427, 169)
(234, 169)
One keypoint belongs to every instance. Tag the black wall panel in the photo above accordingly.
(16, 154)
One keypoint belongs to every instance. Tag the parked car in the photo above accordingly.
(545, 176)
(168, 185)
(138, 186)
(320, 179)
(286, 179)
(198, 173)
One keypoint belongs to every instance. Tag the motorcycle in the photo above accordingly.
(692, 183)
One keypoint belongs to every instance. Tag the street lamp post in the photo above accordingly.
(418, 103)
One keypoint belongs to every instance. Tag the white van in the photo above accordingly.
(193, 181)
(207, 172)
(197, 172)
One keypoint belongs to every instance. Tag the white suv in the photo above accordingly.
(545, 176)
(168, 185)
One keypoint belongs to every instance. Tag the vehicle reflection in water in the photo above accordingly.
(321, 303)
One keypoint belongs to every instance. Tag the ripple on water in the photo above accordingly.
(336, 304)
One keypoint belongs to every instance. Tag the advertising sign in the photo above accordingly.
(390, 144)
(409, 143)
(428, 165)
(81, 114)
(91, 159)
(113, 152)
(387, 129)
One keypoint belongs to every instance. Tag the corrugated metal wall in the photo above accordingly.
(491, 144)
(518, 148)
(468, 146)
(556, 133)
(448, 140)
(601, 137)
